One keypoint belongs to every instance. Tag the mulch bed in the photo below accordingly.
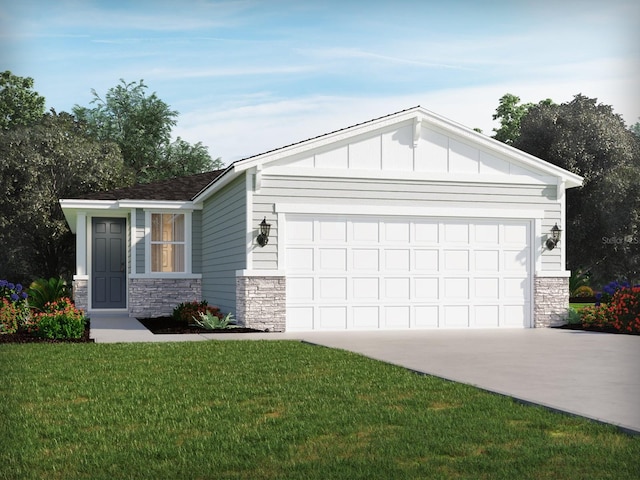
(167, 325)
(577, 326)
(22, 337)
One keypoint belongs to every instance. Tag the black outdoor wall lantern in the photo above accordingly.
(554, 239)
(263, 238)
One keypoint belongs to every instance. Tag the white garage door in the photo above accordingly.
(357, 272)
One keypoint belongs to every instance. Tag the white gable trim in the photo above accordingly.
(417, 117)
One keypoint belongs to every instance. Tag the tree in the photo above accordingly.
(603, 216)
(141, 125)
(510, 113)
(19, 104)
(51, 159)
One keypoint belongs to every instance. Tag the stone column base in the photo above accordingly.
(551, 300)
(81, 294)
(261, 302)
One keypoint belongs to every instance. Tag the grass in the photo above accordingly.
(275, 410)
(579, 306)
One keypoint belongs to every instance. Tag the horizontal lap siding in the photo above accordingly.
(140, 241)
(223, 244)
(337, 191)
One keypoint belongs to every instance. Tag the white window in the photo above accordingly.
(168, 244)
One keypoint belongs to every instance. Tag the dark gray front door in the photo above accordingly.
(108, 286)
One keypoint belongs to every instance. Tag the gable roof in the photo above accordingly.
(174, 189)
(419, 116)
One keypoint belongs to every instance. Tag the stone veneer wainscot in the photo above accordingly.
(551, 300)
(261, 302)
(157, 297)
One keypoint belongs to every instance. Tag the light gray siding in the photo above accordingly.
(401, 193)
(224, 244)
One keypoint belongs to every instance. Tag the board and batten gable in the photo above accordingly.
(407, 168)
(223, 251)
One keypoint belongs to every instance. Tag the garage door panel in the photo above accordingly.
(396, 232)
(426, 316)
(300, 318)
(514, 315)
(396, 288)
(331, 231)
(396, 317)
(300, 259)
(332, 259)
(300, 289)
(366, 317)
(456, 260)
(365, 260)
(397, 260)
(427, 232)
(456, 316)
(426, 260)
(395, 273)
(456, 233)
(426, 288)
(486, 233)
(332, 318)
(486, 260)
(366, 289)
(365, 232)
(486, 316)
(332, 288)
(486, 288)
(456, 288)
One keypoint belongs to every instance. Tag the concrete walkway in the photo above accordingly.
(593, 375)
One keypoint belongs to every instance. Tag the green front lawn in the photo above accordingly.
(274, 410)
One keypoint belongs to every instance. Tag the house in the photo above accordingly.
(406, 221)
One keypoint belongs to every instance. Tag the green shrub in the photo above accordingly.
(59, 320)
(43, 291)
(186, 311)
(209, 321)
(583, 291)
(573, 316)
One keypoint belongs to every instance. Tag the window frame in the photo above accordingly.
(187, 242)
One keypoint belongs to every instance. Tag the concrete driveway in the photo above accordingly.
(594, 375)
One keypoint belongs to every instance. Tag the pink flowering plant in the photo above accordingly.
(60, 319)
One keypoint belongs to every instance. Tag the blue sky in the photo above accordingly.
(249, 76)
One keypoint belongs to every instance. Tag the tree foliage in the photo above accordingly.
(51, 159)
(510, 112)
(603, 216)
(141, 125)
(19, 104)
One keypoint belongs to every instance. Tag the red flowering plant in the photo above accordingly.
(187, 311)
(59, 319)
(621, 314)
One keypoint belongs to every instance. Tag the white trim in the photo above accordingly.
(282, 234)
(260, 273)
(412, 175)
(147, 244)
(552, 273)
(249, 245)
(81, 277)
(81, 245)
(167, 275)
(126, 204)
(389, 210)
(134, 241)
(537, 244)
